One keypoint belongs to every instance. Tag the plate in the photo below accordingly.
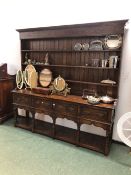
(85, 46)
(113, 41)
(78, 46)
(96, 45)
(45, 77)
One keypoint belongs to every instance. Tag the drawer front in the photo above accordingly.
(94, 114)
(64, 108)
(20, 99)
(41, 103)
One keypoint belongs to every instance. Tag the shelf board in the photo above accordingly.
(66, 134)
(42, 127)
(73, 66)
(92, 141)
(87, 140)
(91, 83)
(24, 122)
(117, 50)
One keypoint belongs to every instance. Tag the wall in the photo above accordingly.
(26, 14)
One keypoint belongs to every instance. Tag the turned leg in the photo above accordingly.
(15, 111)
(27, 117)
(78, 133)
(53, 127)
(33, 120)
(108, 140)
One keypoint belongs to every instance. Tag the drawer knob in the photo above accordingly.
(42, 102)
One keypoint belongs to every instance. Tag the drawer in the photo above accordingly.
(64, 108)
(95, 114)
(20, 99)
(41, 103)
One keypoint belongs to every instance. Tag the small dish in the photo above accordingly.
(108, 81)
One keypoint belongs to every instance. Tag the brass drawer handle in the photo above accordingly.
(53, 104)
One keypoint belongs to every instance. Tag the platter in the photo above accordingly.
(85, 46)
(113, 41)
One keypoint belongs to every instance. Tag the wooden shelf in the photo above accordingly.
(91, 83)
(24, 122)
(66, 134)
(72, 66)
(42, 127)
(117, 50)
(92, 141)
(87, 140)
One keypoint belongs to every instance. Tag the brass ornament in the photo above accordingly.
(59, 87)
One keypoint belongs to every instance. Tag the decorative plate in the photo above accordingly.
(45, 77)
(96, 45)
(77, 46)
(113, 41)
(85, 46)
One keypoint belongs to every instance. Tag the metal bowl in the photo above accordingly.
(93, 100)
(107, 99)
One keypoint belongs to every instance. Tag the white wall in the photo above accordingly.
(16, 14)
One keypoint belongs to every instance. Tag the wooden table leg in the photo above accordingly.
(53, 127)
(15, 111)
(78, 133)
(33, 120)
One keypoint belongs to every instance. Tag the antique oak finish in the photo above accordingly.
(6, 85)
(74, 66)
